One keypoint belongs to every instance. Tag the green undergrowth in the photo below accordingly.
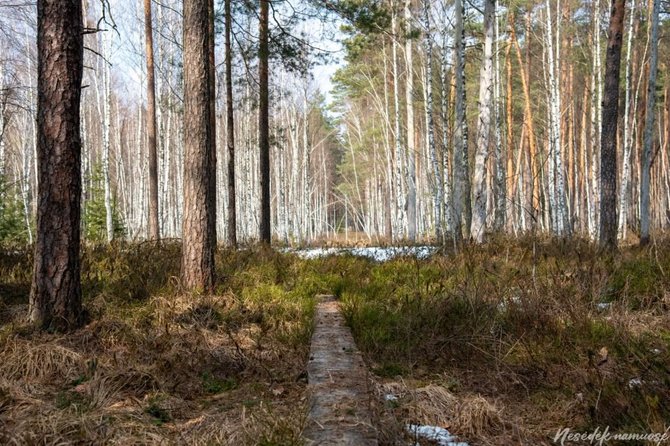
(548, 333)
(155, 364)
(526, 323)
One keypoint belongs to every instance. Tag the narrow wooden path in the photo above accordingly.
(340, 401)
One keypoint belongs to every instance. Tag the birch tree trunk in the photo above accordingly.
(444, 109)
(627, 131)
(438, 194)
(411, 149)
(596, 104)
(500, 158)
(461, 192)
(649, 128)
(399, 231)
(106, 143)
(484, 126)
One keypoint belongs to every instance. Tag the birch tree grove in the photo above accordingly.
(347, 121)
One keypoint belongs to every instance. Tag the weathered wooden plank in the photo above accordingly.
(340, 399)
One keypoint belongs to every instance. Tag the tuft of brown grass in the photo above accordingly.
(29, 361)
(156, 365)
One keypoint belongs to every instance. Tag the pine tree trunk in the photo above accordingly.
(610, 120)
(55, 296)
(154, 228)
(529, 124)
(230, 135)
(198, 246)
(649, 128)
(264, 123)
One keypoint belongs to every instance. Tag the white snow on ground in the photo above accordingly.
(438, 434)
(378, 254)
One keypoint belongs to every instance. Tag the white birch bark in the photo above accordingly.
(399, 230)
(596, 113)
(409, 105)
(461, 191)
(627, 130)
(501, 165)
(438, 192)
(107, 105)
(444, 111)
(478, 225)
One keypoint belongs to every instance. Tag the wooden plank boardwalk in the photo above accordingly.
(340, 400)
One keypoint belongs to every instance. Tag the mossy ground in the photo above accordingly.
(502, 343)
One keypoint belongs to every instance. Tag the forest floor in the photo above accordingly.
(504, 343)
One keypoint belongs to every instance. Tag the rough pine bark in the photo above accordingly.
(608, 136)
(154, 229)
(55, 297)
(264, 123)
(198, 247)
(649, 128)
(230, 136)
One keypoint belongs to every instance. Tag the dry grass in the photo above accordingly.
(515, 339)
(501, 344)
(158, 366)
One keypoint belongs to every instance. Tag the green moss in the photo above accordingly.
(214, 385)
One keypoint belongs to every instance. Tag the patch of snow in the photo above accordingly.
(377, 254)
(634, 382)
(434, 433)
(502, 306)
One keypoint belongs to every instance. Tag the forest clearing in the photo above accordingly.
(334, 222)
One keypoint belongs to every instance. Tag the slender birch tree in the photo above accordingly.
(484, 126)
